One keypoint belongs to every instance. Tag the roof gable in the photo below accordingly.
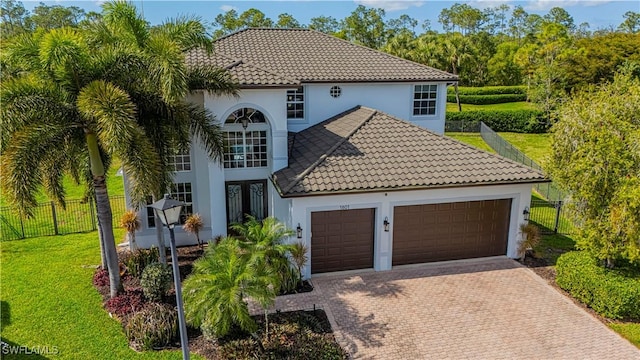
(366, 150)
(309, 56)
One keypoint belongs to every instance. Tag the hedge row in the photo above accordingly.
(520, 121)
(611, 293)
(487, 99)
(488, 90)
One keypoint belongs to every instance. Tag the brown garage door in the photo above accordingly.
(341, 240)
(449, 231)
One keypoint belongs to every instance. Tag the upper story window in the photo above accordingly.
(424, 99)
(245, 147)
(179, 191)
(295, 104)
(180, 161)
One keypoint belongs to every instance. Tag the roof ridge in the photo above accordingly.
(235, 62)
(375, 51)
(333, 148)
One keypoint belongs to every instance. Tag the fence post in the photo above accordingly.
(557, 223)
(55, 219)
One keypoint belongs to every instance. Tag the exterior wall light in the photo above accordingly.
(385, 224)
(299, 231)
(245, 122)
(526, 213)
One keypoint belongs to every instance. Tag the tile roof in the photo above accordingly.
(363, 150)
(311, 56)
(245, 74)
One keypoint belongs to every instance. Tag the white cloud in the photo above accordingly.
(548, 4)
(226, 8)
(390, 5)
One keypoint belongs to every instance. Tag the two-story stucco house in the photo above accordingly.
(344, 144)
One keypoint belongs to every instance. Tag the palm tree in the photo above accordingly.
(263, 240)
(62, 114)
(214, 294)
(168, 120)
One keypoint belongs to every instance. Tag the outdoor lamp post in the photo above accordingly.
(168, 210)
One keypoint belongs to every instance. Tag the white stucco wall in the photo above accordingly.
(384, 202)
(393, 98)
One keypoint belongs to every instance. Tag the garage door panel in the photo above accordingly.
(449, 231)
(342, 240)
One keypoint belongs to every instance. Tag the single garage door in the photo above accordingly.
(450, 231)
(341, 240)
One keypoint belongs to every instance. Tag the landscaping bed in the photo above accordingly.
(151, 323)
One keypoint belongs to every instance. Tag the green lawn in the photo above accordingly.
(535, 146)
(472, 139)
(115, 185)
(48, 300)
(521, 105)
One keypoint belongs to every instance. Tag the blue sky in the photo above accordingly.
(598, 13)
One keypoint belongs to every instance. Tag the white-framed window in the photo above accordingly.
(179, 191)
(245, 149)
(180, 161)
(245, 146)
(424, 99)
(295, 104)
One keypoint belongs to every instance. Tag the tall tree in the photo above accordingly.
(325, 24)
(631, 23)
(62, 113)
(365, 26)
(287, 21)
(14, 18)
(170, 123)
(230, 21)
(55, 16)
(596, 140)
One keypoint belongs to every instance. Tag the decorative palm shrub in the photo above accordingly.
(263, 241)
(193, 225)
(130, 222)
(299, 257)
(155, 281)
(214, 294)
(530, 238)
(153, 327)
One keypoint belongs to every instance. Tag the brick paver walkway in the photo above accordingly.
(482, 309)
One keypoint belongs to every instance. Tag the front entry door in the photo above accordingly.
(246, 198)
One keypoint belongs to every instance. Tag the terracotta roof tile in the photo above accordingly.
(364, 149)
(304, 55)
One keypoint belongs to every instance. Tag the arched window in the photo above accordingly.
(245, 146)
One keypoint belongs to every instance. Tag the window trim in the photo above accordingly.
(190, 205)
(182, 155)
(299, 91)
(414, 100)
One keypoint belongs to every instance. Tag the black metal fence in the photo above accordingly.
(461, 126)
(51, 219)
(548, 190)
(550, 216)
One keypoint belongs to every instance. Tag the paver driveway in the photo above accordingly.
(481, 309)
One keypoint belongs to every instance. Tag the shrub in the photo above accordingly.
(101, 278)
(488, 90)
(155, 281)
(611, 293)
(530, 238)
(155, 326)
(135, 261)
(128, 302)
(521, 121)
(193, 225)
(487, 99)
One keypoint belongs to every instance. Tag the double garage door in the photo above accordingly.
(344, 240)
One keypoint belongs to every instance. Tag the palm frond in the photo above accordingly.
(122, 17)
(215, 80)
(206, 130)
(22, 163)
(167, 69)
(188, 31)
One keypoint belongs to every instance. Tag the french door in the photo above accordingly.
(246, 198)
